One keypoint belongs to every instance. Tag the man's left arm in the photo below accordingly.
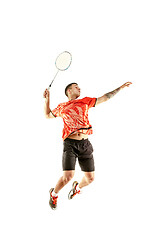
(109, 95)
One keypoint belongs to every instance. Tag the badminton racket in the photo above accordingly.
(63, 62)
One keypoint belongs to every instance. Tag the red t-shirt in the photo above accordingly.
(75, 115)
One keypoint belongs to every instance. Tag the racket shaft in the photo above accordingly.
(53, 80)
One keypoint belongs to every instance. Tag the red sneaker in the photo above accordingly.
(52, 200)
(73, 191)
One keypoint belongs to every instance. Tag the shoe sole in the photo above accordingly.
(75, 183)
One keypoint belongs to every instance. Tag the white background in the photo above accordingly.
(111, 42)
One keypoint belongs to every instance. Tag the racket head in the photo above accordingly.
(63, 61)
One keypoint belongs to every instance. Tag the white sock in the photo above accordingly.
(78, 189)
(54, 194)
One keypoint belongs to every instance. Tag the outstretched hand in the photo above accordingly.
(127, 84)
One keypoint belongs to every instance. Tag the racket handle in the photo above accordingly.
(49, 87)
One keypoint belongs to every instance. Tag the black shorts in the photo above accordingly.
(81, 149)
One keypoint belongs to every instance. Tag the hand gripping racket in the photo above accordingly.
(63, 62)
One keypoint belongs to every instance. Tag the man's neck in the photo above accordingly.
(72, 98)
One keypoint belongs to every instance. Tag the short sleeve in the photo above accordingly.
(91, 102)
(56, 111)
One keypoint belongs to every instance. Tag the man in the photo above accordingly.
(75, 136)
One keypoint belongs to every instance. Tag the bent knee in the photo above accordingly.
(68, 177)
(90, 179)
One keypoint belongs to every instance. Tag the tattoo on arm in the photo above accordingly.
(111, 94)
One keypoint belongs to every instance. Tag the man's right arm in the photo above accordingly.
(47, 110)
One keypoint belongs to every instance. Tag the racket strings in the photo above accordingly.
(63, 61)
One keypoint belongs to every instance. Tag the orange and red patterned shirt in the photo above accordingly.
(75, 115)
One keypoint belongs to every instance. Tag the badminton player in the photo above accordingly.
(76, 145)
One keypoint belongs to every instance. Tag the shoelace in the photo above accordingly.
(76, 192)
(54, 199)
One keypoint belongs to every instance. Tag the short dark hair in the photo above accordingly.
(68, 87)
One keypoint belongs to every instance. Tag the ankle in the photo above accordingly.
(78, 188)
(54, 194)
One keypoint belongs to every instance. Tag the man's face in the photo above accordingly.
(75, 90)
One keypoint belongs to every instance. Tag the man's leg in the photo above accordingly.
(76, 188)
(67, 176)
(87, 179)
